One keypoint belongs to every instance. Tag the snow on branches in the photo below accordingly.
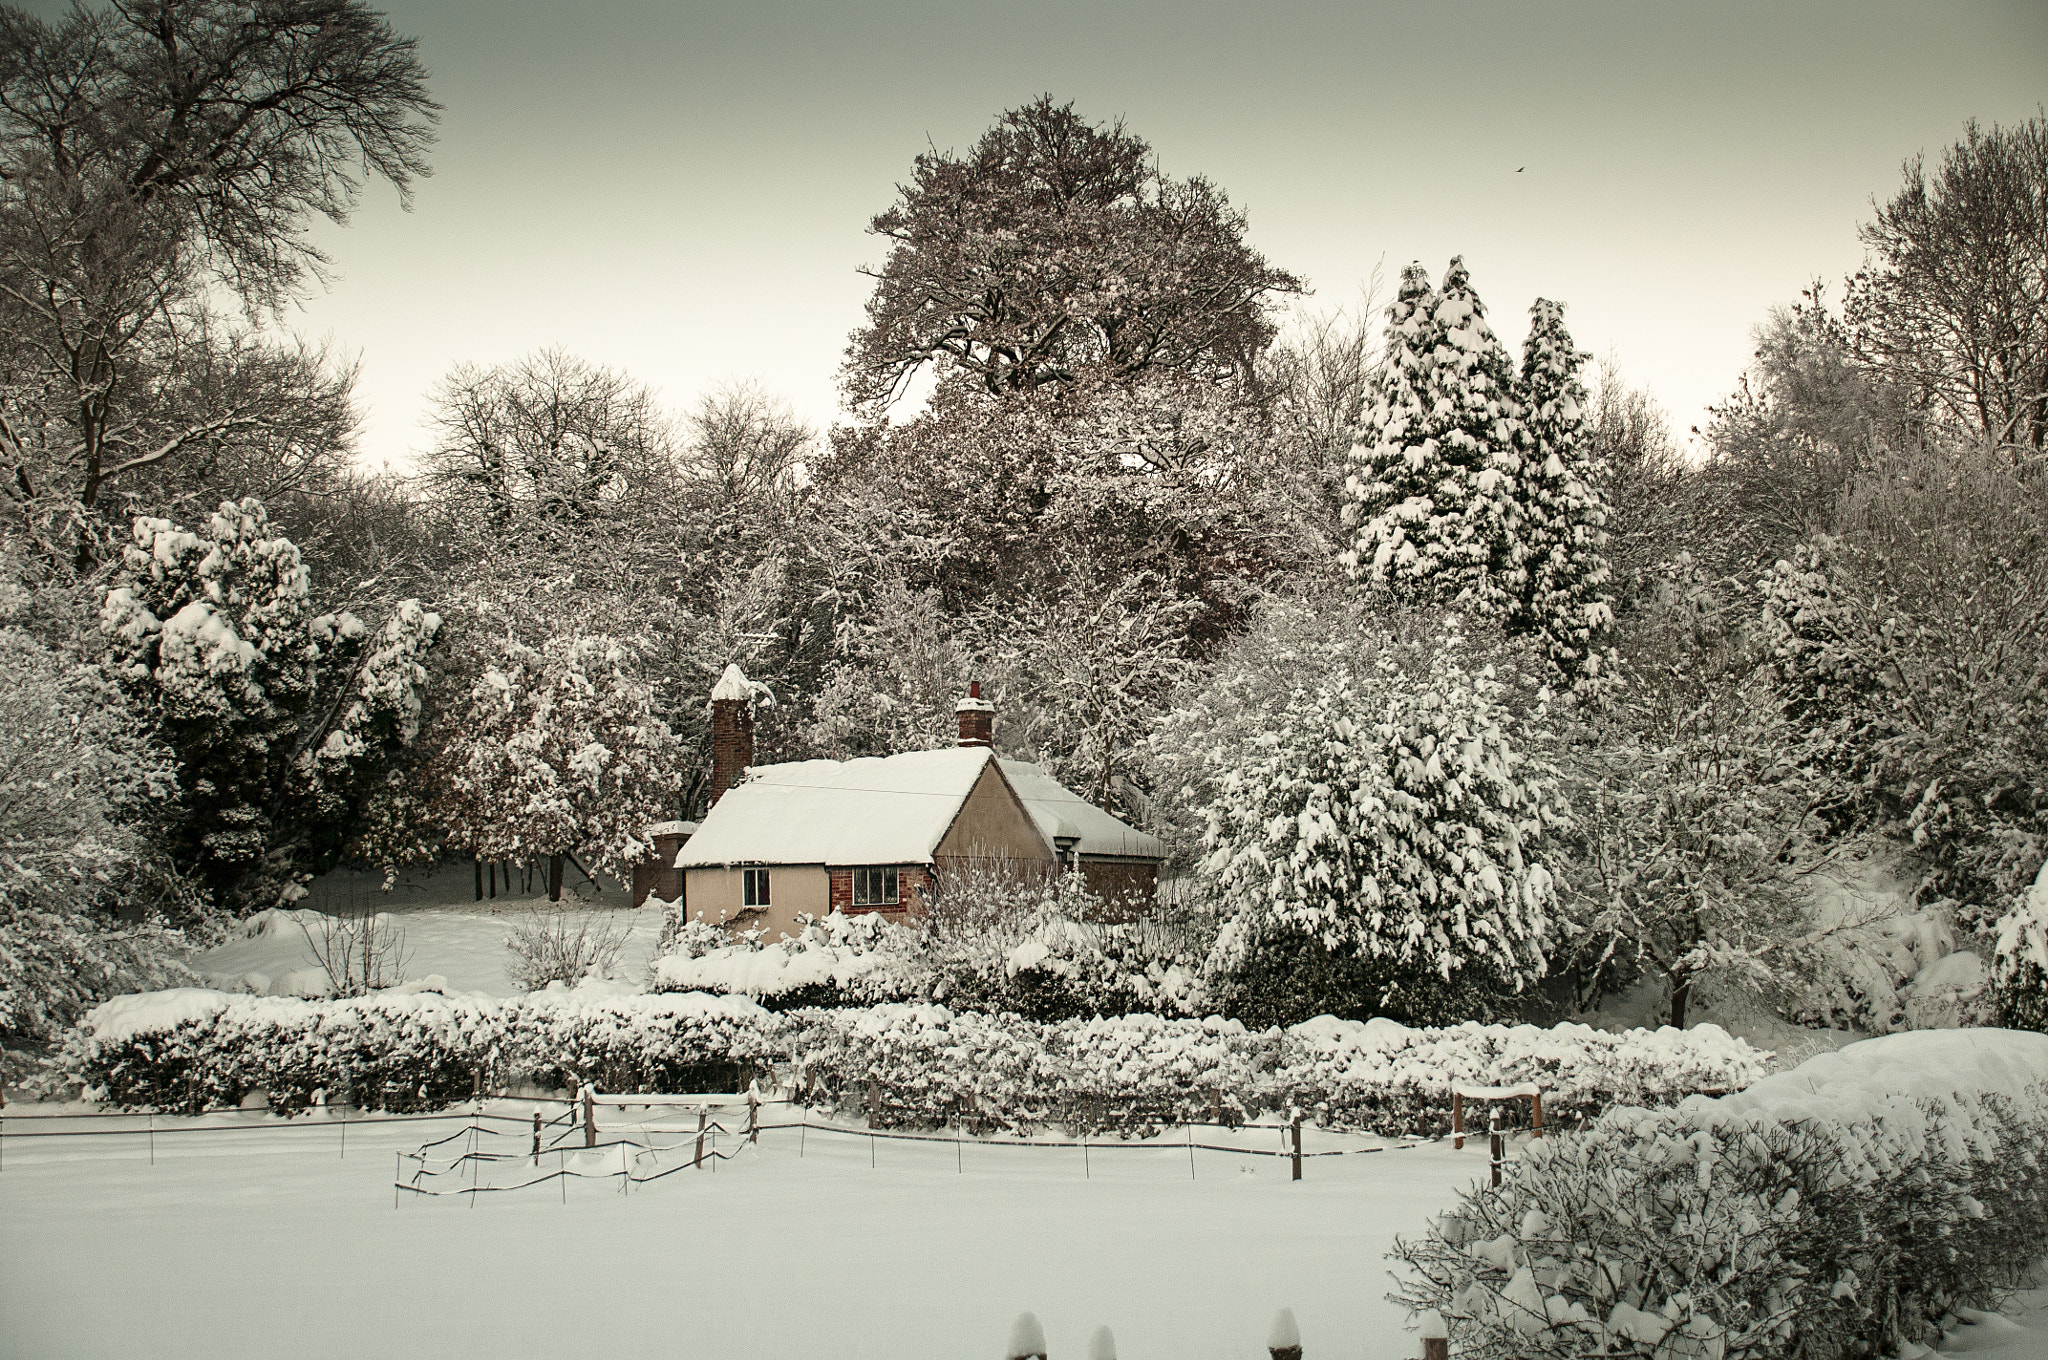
(1432, 488)
(1473, 487)
(1379, 804)
(558, 749)
(279, 716)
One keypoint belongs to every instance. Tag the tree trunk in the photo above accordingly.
(1681, 989)
(478, 865)
(554, 878)
(494, 880)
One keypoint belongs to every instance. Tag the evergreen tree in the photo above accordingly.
(1564, 599)
(280, 718)
(1437, 464)
(559, 750)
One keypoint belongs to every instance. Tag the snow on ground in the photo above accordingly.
(447, 933)
(263, 1240)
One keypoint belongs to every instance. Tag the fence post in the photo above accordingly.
(697, 1162)
(753, 1120)
(1297, 1146)
(1536, 1112)
(589, 1118)
(1457, 1121)
(1283, 1342)
(1494, 1138)
(536, 1137)
(1027, 1339)
(1436, 1344)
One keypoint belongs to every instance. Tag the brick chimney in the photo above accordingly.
(977, 718)
(732, 730)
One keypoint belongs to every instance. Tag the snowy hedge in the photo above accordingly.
(686, 1042)
(191, 1049)
(1839, 1208)
(1043, 961)
(1136, 1072)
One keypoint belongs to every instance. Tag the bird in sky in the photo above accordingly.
(1520, 168)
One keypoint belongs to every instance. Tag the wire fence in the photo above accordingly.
(583, 1147)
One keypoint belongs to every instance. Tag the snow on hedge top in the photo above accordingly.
(1050, 803)
(125, 1017)
(886, 810)
(1874, 1077)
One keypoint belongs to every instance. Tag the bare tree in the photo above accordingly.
(151, 155)
(548, 441)
(742, 444)
(360, 950)
(1954, 299)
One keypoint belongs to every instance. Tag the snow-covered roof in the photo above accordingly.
(672, 829)
(1051, 803)
(886, 810)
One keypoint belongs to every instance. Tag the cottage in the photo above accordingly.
(876, 834)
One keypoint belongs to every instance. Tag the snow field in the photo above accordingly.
(239, 1244)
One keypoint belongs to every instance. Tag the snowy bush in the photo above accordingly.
(933, 1059)
(1021, 948)
(1381, 806)
(1839, 1208)
(190, 1049)
(1138, 1071)
(401, 1050)
(689, 1042)
(839, 961)
(560, 946)
(1394, 1079)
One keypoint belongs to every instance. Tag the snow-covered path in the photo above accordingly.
(267, 1242)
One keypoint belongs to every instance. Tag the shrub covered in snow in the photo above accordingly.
(688, 1042)
(401, 1049)
(193, 1049)
(411, 1049)
(1839, 1208)
(839, 961)
(1138, 1071)
(1035, 957)
(1388, 1077)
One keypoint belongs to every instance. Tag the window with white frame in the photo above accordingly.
(754, 888)
(874, 887)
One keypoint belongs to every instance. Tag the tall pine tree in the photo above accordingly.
(1564, 599)
(1435, 471)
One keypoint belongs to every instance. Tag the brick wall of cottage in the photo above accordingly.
(913, 885)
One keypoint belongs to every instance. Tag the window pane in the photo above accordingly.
(888, 885)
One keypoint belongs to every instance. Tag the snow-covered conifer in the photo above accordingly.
(557, 751)
(1564, 598)
(1381, 806)
(278, 715)
(1434, 473)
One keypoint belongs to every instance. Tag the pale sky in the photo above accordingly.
(682, 189)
